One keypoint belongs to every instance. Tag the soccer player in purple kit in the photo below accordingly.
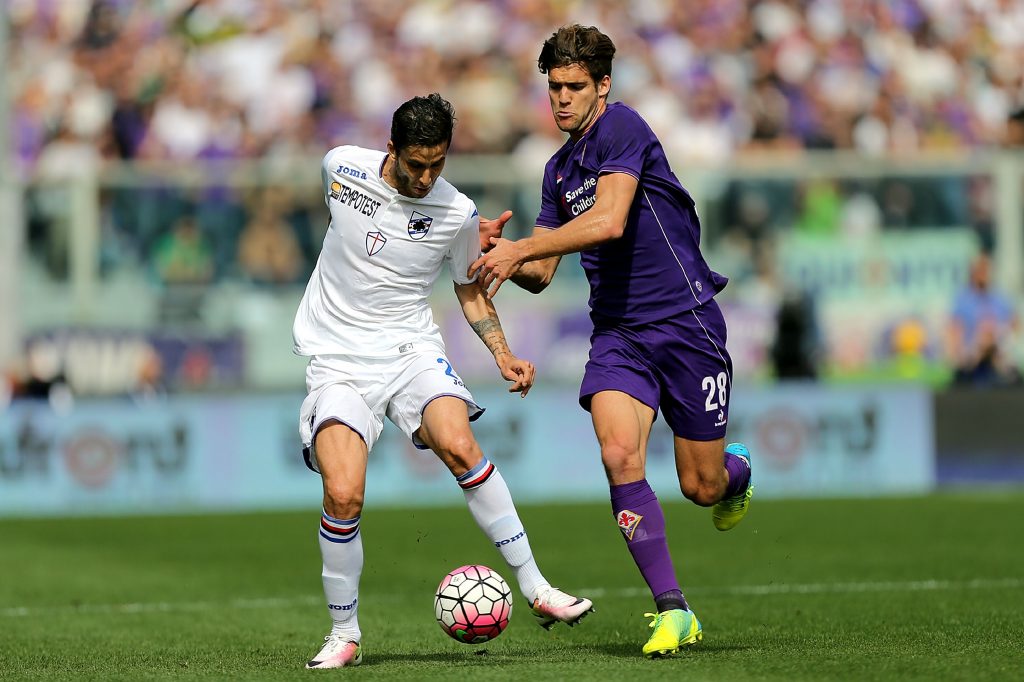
(659, 336)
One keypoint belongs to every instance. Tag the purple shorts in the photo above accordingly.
(679, 365)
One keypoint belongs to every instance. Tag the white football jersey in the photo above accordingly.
(382, 254)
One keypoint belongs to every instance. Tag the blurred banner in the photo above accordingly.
(117, 362)
(234, 453)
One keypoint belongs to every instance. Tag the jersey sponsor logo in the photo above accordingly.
(354, 199)
(375, 241)
(628, 521)
(418, 225)
(582, 200)
(405, 348)
(351, 172)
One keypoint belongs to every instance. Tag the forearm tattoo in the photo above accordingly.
(489, 331)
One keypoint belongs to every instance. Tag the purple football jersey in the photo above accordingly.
(655, 270)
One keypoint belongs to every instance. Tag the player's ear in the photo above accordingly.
(604, 86)
(391, 149)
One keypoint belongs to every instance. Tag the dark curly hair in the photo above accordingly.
(575, 44)
(423, 121)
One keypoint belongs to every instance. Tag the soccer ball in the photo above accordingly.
(472, 604)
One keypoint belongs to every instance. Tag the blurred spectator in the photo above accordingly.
(1015, 130)
(821, 208)
(795, 353)
(268, 250)
(982, 330)
(183, 256)
(907, 351)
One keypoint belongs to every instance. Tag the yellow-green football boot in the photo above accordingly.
(672, 630)
(730, 511)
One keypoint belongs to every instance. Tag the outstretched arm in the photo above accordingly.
(483, 318)
(605, 221)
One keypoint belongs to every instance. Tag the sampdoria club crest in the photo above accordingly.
(418, 225)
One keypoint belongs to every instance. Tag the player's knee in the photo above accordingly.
(460, 452)
(342, 503)
(701, 491)
(620, 459)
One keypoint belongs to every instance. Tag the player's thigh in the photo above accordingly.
(623, 426)
(428, 388)
(621, 391)
(338, 430)
(340, 402)
(696, 373)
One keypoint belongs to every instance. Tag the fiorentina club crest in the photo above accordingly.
(419, 224)
(628, 521)
(375, 241)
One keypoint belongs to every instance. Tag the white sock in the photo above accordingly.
(491, 505)
(341, 546)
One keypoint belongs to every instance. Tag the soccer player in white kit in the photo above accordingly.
(375, 351)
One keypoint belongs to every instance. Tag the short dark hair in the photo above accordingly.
(423, 121)
(575, 44)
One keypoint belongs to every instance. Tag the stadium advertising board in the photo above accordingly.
(106, 362)
(243, 452)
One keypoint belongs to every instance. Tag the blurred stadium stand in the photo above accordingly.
(849, 159)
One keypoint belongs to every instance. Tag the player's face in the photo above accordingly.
(576, 100)
(415, 169)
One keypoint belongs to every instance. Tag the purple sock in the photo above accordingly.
(739, 474)
(642, 523)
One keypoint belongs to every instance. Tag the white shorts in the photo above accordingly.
(359, 392)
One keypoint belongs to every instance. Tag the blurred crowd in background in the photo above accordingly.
(197, 83)
(201, 79)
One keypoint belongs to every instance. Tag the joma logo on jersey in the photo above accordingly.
(351, 172)
(628, 521)
(419, 224)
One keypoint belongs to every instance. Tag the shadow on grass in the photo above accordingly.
(632, 650)
(448, 658)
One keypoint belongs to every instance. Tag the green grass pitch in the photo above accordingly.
(929, 588)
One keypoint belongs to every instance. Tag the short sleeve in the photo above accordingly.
(548, 216)
(624, 146)
(465, 249)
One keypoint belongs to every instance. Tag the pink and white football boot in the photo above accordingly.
(554, 606)
(337, 652)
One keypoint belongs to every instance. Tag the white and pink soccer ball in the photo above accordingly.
(473, 604)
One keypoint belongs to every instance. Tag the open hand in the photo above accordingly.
(497, 265)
